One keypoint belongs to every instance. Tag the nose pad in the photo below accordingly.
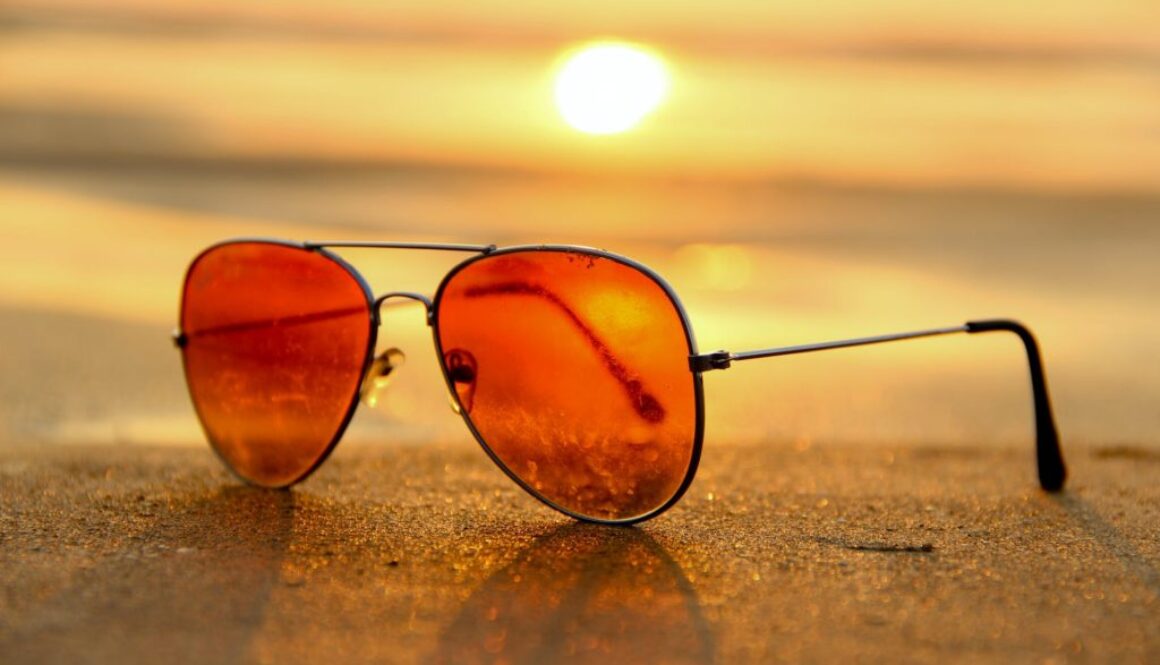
(379, 375)
(461, 371)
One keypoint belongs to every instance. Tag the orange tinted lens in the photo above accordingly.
(276, 340)
(573, 368)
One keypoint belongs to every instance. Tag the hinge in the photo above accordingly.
(710, 361)
(179, 339)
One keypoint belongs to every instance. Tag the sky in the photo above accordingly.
(1050, 96)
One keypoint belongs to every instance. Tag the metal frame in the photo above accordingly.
(437, 246)
(1052, 471)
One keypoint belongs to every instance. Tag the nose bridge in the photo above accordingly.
(404, 295)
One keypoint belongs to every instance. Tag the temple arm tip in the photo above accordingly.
(1052, 471)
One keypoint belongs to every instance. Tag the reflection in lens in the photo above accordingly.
(579, 380)
(276, 340)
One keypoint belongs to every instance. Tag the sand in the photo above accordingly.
(409, 554)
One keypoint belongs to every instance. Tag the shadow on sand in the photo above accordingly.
(190, 585)
(584, 594)
(1111, 538)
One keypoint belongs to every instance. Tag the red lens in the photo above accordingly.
(276, 342)
(573, 369)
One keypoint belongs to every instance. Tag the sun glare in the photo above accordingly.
(609, 87)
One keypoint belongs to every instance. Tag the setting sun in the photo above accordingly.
(608, 87)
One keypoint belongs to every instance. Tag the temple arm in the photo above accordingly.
(1052, 472)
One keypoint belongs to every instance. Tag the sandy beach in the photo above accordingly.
(817, 173)
(413, 554)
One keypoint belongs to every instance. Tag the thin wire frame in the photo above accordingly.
(698, 385)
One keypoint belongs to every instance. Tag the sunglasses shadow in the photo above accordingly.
(191, 584)
(582, 593)
(1088, 518)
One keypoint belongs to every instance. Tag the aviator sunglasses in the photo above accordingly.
(574, 368)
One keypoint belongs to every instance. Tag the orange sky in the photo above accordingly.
(1121, 24)
(1063, 96)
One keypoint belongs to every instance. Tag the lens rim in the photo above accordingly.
(698, 387)
(368, 354)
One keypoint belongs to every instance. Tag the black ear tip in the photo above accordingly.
(1052, 472)
(1053, 483)
(1052, 477)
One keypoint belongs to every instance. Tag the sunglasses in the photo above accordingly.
(574, 368)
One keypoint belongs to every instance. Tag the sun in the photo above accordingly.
(609, 87)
